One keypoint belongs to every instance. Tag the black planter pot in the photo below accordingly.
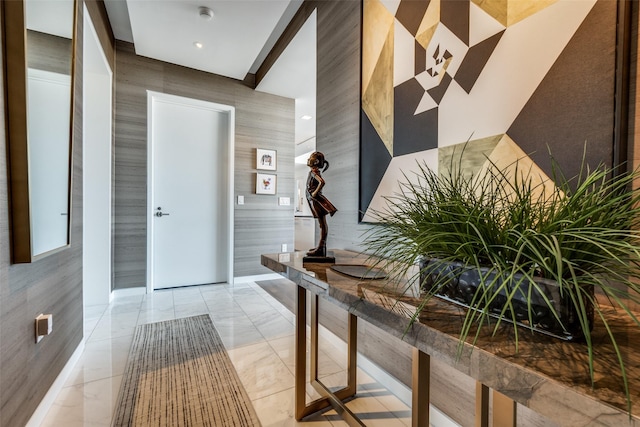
(459, 283)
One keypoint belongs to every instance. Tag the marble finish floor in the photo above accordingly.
(258, 333)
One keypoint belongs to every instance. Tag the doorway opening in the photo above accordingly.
(293, 75)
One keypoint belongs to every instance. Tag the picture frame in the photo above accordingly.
(417, 80)
(266, 183)
(266, 159)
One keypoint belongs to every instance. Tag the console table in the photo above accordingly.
(547, 375)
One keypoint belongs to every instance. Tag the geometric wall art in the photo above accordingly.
(511, 79)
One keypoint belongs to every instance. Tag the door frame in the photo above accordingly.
(101, 292)
(229, 112)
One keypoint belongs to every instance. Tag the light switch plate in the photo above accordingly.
(284, 201)
(241, 200)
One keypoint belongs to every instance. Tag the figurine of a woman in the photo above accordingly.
(320, 205)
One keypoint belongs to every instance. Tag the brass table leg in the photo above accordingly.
(329, 397)
(300, 353)
(421, 369)
(504, 410)
(482, 405)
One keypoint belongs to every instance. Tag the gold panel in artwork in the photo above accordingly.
(509, 12)
(377, 99)
(377, 24)
(429, 24)
(495, 8)
(519, 10)
(470, 156)
(509, 158)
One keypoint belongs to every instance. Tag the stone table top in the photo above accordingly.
(548, 375)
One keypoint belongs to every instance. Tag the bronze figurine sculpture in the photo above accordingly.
(319, 204)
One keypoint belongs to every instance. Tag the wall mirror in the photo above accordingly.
(39, 61)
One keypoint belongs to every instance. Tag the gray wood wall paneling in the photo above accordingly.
(51, 285)
(48, 52)
(262, 121)
(100, 19)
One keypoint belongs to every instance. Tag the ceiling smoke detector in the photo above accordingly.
(205, 13)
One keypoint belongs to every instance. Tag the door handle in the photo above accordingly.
(160, 214)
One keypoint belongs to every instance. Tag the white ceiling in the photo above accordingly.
(50, 17)
(294, 76)
(235, 42)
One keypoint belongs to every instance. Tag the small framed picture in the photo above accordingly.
(265, 183)
(266, 159)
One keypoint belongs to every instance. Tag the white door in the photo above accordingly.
(189, 208)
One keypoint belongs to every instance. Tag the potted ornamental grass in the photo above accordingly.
(543, 255)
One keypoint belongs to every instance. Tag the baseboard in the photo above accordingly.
(38, 416)
(247, 279)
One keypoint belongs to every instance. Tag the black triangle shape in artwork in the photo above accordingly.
(573, 105)
(437, 93)
(374, 161)
(412, 132)
(475, 60)
(454, 14)
(410, 14)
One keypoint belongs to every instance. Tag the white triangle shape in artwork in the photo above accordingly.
(391, 5)
(481, 25)
(404, 53)
(426, 103)
(402, 169)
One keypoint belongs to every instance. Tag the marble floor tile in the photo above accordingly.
(158, 300)
(193, 308)
(186, 295)
(89, 326)
(372, 413)
(156, 315)
(260, 369)
(277, 410)
(101, 359)
(237, 332)
(224, 311)
(272, 324)
(217, 294)
(256, 330)
(128, 304)
(94, 312)
(213, 286)
(285, 348)
(242, 287)
(87, 404)
(253, 305)
(114, 326)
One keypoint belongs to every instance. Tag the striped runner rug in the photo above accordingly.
(179, 374)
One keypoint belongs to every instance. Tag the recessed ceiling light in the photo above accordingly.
(205, 13)
(198, 45)
(306, 117)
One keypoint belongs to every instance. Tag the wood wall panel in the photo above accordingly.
(338, 115)
(634, 89)
(100, 18)
(262, 121)
(50, 285)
